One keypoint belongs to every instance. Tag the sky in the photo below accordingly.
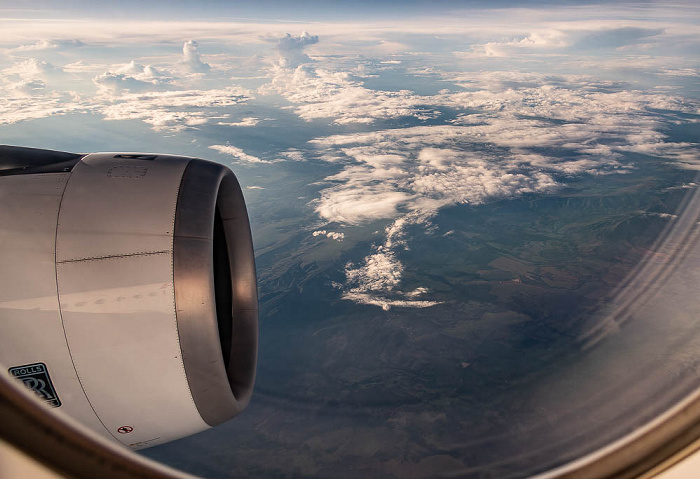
(416, 107)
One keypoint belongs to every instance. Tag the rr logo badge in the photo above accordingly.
(36, 377)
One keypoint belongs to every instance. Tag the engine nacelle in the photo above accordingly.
(128, 292)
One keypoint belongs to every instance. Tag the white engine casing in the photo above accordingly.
(131, 278)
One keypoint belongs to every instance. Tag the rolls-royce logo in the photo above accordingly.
(133, 172)
(36, 377)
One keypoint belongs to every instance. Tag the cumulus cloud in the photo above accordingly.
(237, 153)
(132, 77)
(30, 69)
(28, 78)
(191, 59)
(142, 72)
(26, 88)
(535, 42)
(116, 82)
(290, 49)
(334, 235)
(320, 93)
(125, 92)
(377, 279)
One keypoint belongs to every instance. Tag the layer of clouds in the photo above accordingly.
(28, 101)
(519, 134)
(513, 133)
(44, 44)
(561, 41)
(171, 110)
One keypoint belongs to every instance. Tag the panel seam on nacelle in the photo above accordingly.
(114, 256)
(60, 309)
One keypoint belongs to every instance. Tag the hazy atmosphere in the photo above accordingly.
(440, 195)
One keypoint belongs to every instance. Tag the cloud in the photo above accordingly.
(289, 42)
(249, 121)
(237, 153)
(26, 88)
(290, 49)
(520, 134)
(30, 69)
(26, 102)
(376, 280)
(191, 59)
(42, 45)
(563, 41)
(320, 93)
(535, 42)
(29, 78)
(329, 234)
(132, 77)
(117, 82)
(170, 110)
(616, 37)
(142, 72)
(293, 154)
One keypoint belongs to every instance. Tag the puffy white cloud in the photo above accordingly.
(537, 41)
(320, 93)
(132, 77)
(28, 78)
(290, 49)
(116, 82)
(26, 87)
(237, 153)
(334, 235)
(289, 42)
(30, 69)
(376, 280)
(191, 59)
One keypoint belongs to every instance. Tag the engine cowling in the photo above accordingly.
(128, 292)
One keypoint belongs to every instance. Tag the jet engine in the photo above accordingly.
(128, 294)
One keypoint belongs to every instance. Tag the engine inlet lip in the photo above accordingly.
(214, 300)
